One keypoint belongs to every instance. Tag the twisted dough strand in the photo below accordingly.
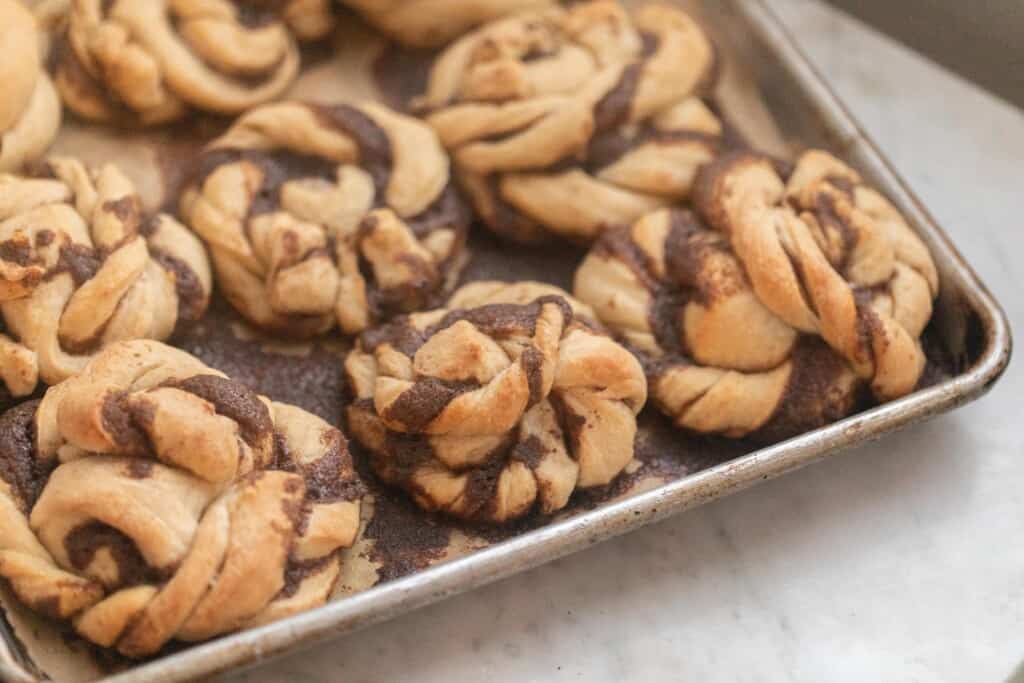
(483, 412)
(151, 498)
(566, 121)
(80, 268)
(718, 361)
(319, 216)
(432, 23)
(30, 111)
(831, 257)
(146, 63)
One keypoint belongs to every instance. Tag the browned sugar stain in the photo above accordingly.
(18, 466)
(313, 381)
(407, 539)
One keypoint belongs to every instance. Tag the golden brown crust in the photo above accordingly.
(320, 215)
(718, 361)
(432, 23)
(145, 63)
(30, 109)
(151, 498)
(565, 121)
(484, 413)
(831, 257)
(81, 268)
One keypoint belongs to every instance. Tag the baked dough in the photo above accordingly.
(30, 110)
(320, 216)
(145, 63)
(717, 360)
(151, 498)
(562, 122)
(489, 412)
(432, 23)
(831, 257)
(81, 268)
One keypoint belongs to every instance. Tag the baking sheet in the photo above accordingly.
(777, 103)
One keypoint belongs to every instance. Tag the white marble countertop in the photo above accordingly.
(902, 560)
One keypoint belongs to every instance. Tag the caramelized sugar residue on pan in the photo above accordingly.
(403, 539)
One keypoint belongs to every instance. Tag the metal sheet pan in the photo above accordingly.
(971, 326)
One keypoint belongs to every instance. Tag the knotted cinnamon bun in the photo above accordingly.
(489, 411)
(81, 267)
(145, 63)
(152, 499)
(562, 122)
(831, 257)
(320, 216)
(718, 361)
